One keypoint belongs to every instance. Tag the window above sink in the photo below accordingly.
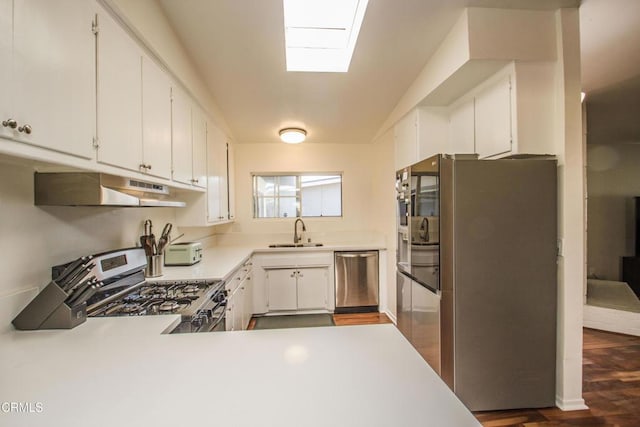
(295, 195)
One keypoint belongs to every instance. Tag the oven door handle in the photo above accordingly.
(217, 322)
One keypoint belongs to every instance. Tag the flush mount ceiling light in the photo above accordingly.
(293, 135)
(320, 35)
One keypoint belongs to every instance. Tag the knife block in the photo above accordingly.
(48, 310)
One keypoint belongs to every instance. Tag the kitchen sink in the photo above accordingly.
(295, 245)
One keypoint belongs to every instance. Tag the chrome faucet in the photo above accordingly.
(298, 238)
(424, 229)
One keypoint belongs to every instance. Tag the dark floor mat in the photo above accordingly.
(294, 321)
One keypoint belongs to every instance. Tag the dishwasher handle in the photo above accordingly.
(356, 255)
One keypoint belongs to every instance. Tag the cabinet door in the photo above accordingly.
(229, 321)
(238, 308)
(199, 141)
(403, 304)
(281, 288)
(433, 132)
(406, 140)
(493, 119)
(216, 159)
(181, 136)
(53, 74)
(119, 96)
(156, 119)
(425, 324)
(248, 301)
(462, 128)
(313, 285)
(6, 49)
(231, 181)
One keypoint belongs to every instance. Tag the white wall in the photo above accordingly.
(33, 239)
(384, 213)
(354, 161)
(571, 211)
(501, 35)
(614, 180)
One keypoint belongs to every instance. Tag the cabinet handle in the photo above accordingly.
(10, 123)
(293, 274)
(149, 167)
(26, 129)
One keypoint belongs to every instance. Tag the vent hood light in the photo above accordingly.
(293, 135)
(320, 35)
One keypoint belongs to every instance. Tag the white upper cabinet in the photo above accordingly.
(48, 68)
(422, 133)
(6, 51)
(493, 119)
(231, 181)
(156, 120)
(181, 136)
(213, 208)
(119, 96)
(510, 113)
(405, 134)
(433, 132)
(462, 128)
(199, 141)
(218, 206)
(189, 140)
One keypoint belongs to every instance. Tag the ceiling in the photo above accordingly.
(238, 48)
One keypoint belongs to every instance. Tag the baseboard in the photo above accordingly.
(391, 316)
(570, 404)
(606, 319)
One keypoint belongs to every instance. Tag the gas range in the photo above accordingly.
(200, 303)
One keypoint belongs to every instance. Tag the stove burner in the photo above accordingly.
(189, 289)
(131, 308)
(169, 306)
(154, 292)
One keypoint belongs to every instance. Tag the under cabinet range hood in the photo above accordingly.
(97, 189)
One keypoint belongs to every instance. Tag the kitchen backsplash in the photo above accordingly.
(32, 239)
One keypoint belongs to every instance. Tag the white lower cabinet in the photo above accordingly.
(282, 289)
(297, 288)
(239, 299)
(293, 282)
(312, 286)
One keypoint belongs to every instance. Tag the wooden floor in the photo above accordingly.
(611, 388)
(611, 383)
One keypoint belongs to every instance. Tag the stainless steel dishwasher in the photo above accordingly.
(356, 281)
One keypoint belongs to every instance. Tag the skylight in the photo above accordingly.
(320, 35)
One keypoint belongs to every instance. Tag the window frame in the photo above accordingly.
(298, 193)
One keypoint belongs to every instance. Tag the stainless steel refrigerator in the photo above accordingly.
(487, 323)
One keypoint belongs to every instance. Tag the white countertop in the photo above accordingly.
(123, 371)
(220, 261)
